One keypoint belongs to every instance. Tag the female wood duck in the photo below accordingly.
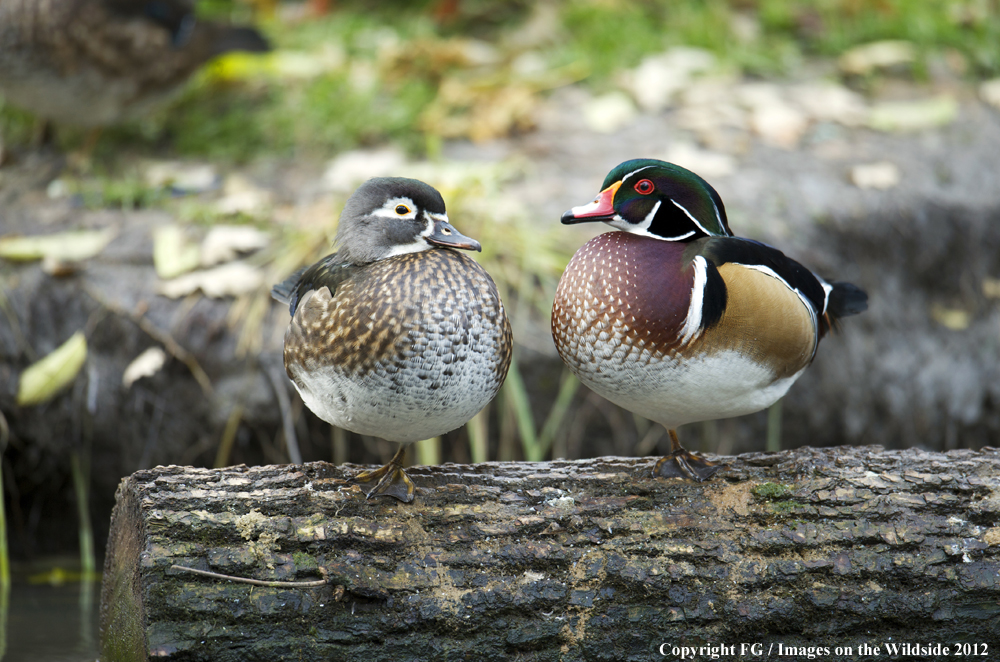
(676, 319)
(397, 334)
(92, 63)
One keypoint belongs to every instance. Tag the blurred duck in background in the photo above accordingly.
(93, 63)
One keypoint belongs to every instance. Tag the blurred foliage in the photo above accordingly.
(415, 73)
(16, 126)
(829, 27)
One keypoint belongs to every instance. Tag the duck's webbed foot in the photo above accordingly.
(682, 463)
(389, 480)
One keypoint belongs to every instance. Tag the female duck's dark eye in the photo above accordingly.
(644, 186)
(402, 210)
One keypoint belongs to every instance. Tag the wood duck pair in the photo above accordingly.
(93, 63)
(398, 335)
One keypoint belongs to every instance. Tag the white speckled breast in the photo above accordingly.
(616, 320)
(409, 348)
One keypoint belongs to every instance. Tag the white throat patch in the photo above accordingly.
(420, 243)
(642, 229)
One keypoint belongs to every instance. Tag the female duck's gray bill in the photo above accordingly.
(445, 234)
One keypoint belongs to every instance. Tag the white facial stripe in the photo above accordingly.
(388, 209)
(692, 323)
(646, 222)
(429, 229)
(718, 217)
(642, 229)
(689, 215)
(827, 288)
(633, 172)
(414, 247)
(642, 232)
(680, 237)
(421, 243)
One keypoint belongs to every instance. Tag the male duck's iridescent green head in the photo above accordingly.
(656, 199)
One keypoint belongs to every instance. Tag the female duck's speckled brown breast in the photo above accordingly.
(409, 347)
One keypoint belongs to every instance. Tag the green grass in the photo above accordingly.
(16, 126)
(610, 36)
(829, 27)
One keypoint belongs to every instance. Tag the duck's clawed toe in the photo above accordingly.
(389, 480)
(684, 464)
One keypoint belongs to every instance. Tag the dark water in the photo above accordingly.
(47, 623)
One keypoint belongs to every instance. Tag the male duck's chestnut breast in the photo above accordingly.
(622, 295)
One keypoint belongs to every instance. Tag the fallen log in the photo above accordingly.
(834, 548)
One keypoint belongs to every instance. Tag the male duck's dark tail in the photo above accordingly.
(845, 299)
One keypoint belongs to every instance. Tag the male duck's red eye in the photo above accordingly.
(644, 186)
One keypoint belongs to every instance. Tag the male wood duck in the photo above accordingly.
(397, 334)
(676, 319)
(93, 63)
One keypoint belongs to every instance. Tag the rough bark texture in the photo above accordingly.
(581, 560)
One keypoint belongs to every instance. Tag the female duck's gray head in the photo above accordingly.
(389, 216)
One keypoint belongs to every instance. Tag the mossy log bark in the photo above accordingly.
(581, 560)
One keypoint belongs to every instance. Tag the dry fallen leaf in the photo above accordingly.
(989, 92)
(173, 253)
(913, 115)
(779, 124)
(881, 175)
(241, 196)
(830, 102)
(63, 246)
(706, 163)
(862, 60)
(146, 364)
(350, 169)
(480, 110)
(181, 176)
(225, 243)
(230, 279)
(991, 288)
(44, 379)
(955, 319)
(609, 112)
(658, 78)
